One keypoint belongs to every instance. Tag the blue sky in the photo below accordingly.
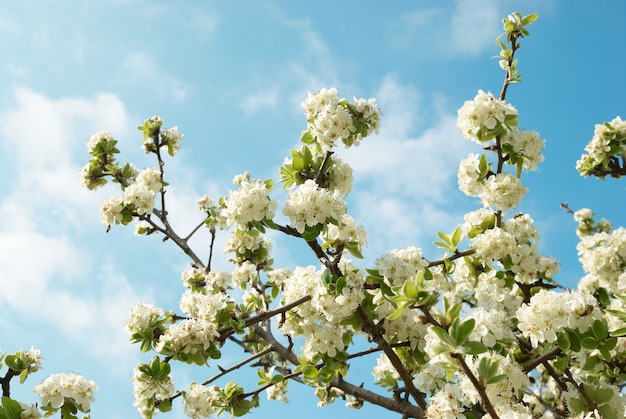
(231, 76)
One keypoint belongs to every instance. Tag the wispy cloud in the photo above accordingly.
(312, 67)
(263, 98)
(139, 69)
(467, 29)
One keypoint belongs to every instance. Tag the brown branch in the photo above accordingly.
(477, 384)
(393, 404)
(376, 332)
(5, 381)
(228, 331)
(169, 233)
(455, 256)
(320, 173)
(224, 371)
(581, 389)
(211, 247)
(507, 77)
(533, 363)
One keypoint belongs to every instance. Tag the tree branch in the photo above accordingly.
(394, 404)
(477, 384)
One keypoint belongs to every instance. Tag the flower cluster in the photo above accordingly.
(188, 337)
(328, 121)
(143, 316)
(448, 402)
(400, 265)
(486, 117)
(61, 390)
(606, 147)
(498, 191)
(309, 206)
(249, 204)
(319, 320)
(549, 312)
(201, 401)
(155, 138)
(588, 226)
(205, 306)
(150, 388)
(345, 233)
(253, 248)
(603, 257)
(137, 200)
(523, 147)
(502, 192)
(331, 119)
(102, 147)
(515, 246)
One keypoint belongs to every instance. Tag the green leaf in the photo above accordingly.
(578, 405)
(599, 329)
(278, 378)
(441, 348)
(399, 310)
(605, 354)
(601, 395)
(497, 378)
(444, 237)
(307, 138)
(442, 245)
(23, 376)
(610, 343)
(444, 336)
(354, 249)
(606, 411)
(574, 340)
(562, 341)
(297, 163)
(165, 405)
(590, 363)
(11, 408)
(528, 19)
(310, 233)
(474, 348)
(461, 332)
(409, 289)
(457, 235)
(309, 371)
(619, 332)
(14, 363)
(589, 343)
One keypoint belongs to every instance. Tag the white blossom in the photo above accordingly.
(147, 390)
(310, 205)
(483, 117)
(251, 203)
(143, 316)
(549, 312)
(60, 389)
(201, 401)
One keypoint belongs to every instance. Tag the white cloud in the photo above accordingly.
(473, 25)
(140, 69)
(47, 267)
(406, 183)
